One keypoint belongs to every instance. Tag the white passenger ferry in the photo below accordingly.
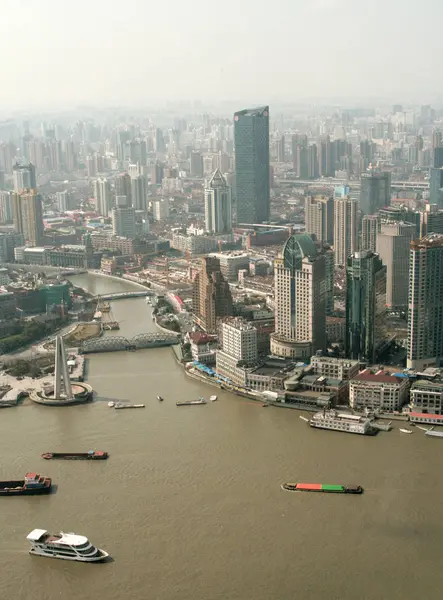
(342, 422)
(68, 546)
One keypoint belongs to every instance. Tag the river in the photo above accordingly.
(189, 504)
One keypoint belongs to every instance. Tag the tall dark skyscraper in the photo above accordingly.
(365, 306)
(375, 192)
(251, 133)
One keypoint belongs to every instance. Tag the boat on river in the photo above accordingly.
(160, 398)
(406, 430)
(322, 487)
(91, 455)
(32, 484)
(120, 405)
(67, 546)
(192, 402)
(432, 433)
(213, 398)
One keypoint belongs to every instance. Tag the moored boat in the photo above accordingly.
(32, 484)
(322, 487)
(67, 546)
(192, 402)
(406, 430)
(91, 455)
(432, 433)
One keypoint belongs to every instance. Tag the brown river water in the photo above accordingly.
(189, 503)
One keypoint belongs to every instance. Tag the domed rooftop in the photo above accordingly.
(296, 248)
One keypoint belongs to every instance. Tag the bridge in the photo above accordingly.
(123, 295)
(119, 343)
(354, 185)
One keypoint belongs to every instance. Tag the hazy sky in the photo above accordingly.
(57, 53)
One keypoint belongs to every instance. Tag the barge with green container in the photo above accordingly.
(322, 487)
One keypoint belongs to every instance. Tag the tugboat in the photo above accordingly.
(91, 455)
(68, 546)
(32, 484)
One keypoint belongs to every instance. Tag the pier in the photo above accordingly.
(120, 343)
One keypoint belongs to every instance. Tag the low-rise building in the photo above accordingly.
(378, 391)
(203, 347)
(427, 397)
(339, 368)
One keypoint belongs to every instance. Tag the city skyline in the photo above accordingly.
(49, 33)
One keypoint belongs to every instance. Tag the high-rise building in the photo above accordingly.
(437, 157)
(238, 349)
(369, 229)
(300, 155)
(123, 221)
(436, 186)
(437, 139)
(251, 131)
(69, 156)
(425, 303)
(196, 164)
(63, 200)
(28, 216)
(375, 191)
(238, 338)
(5, 207)
(123, 186)
(211, 296)
(393, 242)
(300, 315)
(24, 177)
(139, 192)
(365, 306)
(218, 210)
(161, 209)
(312, 156)
(102, 195)
(431, 220)
(319, 218)
(324, 157)
(91, 166)
(345, 229)
(280, 149)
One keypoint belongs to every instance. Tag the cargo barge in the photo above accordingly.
(91, 455)
(32, 484)
(322, 487)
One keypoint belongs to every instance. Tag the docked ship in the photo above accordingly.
(32, 484)
(192, 402)
(322, 487)
(344, 422)
(91, 455)
(432, 433)
(68, 546)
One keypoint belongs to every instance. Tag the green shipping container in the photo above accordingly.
(332, 488)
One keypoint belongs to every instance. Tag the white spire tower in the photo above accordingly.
(62, 387)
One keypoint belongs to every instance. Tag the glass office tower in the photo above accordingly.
(251, 133)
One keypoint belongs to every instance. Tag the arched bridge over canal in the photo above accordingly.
(117, 343)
